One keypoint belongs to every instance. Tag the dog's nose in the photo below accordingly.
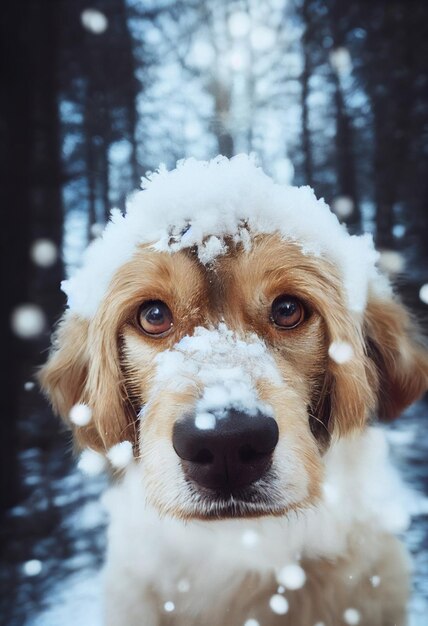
(236, 452)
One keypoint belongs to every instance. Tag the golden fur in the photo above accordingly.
(110, 364)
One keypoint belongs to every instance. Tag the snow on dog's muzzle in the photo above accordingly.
(226, 441)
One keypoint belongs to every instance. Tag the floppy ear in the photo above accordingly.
(347, 398)
(84, 367)
(401, 359)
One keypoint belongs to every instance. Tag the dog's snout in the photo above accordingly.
(231, 455)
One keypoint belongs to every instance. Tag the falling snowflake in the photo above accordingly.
(292, 576)
(28, 321)
(44, 252)
(423, 293)
(29, 385)
(94, 21)
(121, 454)
(278, 604)
(80, 414)
(340, 351)
(252, 622)
(32, 568)
(351, 616)
(391, 262)
(375, 581)
(341, 62)
(91, 462)
(169, 607)
(343, 206)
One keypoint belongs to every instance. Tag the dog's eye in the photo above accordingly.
(287, 312)
(155, 318)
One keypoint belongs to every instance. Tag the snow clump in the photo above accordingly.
(121, 454)
(423, 293)
(80, 414)
(32, 567)
(28, 321)
(278, 604)
(226, 364)
(292, 576)
(340, 351)
(91, 462)
(352, 616)
(201, 204)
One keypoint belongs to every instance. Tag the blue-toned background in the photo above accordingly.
(96, 93)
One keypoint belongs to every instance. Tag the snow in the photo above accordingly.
(375, 581)
(28, 321)
(343, 206)
(291, 576)
(44, 252)
(225, 364)
(340, 351)
(351, 616)
(205, 421)
(423, 293)
(91, 462)
(80, 414)
(251, 622)
(250, 538)
(340, 60)
(94, 21)
(29, 385)
(398, 230)
(278, 604)
(33, 567)
(391, 262)
(121, 454)
(199, 204)
(169, 607)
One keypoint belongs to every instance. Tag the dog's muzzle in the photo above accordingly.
(229, 456)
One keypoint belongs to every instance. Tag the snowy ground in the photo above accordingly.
(55, 538)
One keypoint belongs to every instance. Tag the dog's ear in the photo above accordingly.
(401, 360)
(84, 367)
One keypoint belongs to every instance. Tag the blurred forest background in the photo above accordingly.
(330, 93)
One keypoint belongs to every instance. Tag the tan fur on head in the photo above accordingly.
(109, 364)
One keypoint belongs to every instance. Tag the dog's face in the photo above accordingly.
(223, 377)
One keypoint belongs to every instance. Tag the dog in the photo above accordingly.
(232, 336)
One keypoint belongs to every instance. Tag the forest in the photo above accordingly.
(326, 93)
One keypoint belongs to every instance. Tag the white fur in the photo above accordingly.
(230, 578)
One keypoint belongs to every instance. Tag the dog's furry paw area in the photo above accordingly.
(227, 354)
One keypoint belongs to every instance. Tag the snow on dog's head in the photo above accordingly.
(201, 329)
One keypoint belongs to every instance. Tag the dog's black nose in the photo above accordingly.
(231, 455)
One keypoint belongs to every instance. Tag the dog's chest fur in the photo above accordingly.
(224, 572)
